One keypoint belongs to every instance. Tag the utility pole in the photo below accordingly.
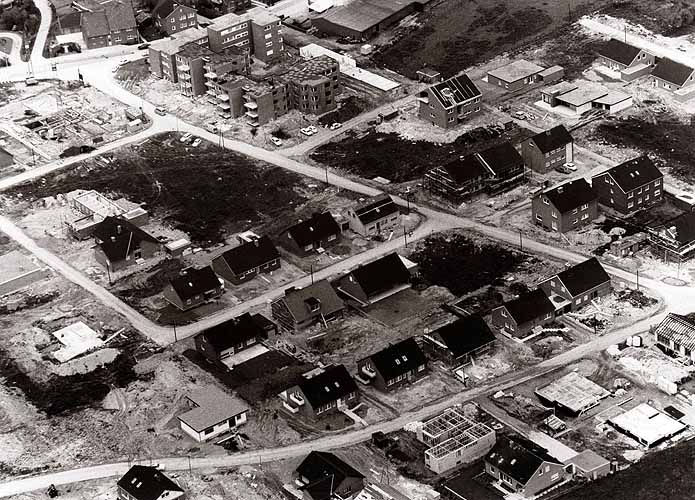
(190, 469)
(175, 338)
(311, 270)
(407, 199)
(108, 271)
(405, 237)
(637, 272)
(326, 174)
(521, 241)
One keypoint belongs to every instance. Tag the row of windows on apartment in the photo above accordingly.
(183, 18)
(392, 219)
(184, 26)
(546, 201)
(609, 180)
(235, 37)
(631, 204)
(539, 218)
(555, 152)
(118, 38)
(308, 248)
(403, 376)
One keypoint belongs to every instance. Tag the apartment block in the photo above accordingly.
(313, 85)
(266, 33)
(265, 102)
(195, 64)
(227, 93)
(162, 53)
(256, 31)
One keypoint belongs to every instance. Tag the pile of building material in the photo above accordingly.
(77, 339)
(654, 367)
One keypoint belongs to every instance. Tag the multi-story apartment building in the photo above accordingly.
(313, 85)
(448, 103)
(172, 17)
(264, 102)
(227, 93)
(268, 44)
(162, 53)
(195, 64)
(256, 31)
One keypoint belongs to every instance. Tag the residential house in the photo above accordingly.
(193, 288)
(324, 476)
(121, 243)
(313, 85)
(147, 483)
(492, 170)
(234, 336)
(212, 412)
(523, 467)
(244, 262)
(577, 286)
(630, 186)
(451, 102)
(108, 23)
(375, 281)
(584, 97)
(549, 149)
(170, 17)
(6, 158)
(589, 465)
(676, 238)
(300, 308)
(522, 74)
(675, 335)
(520, 318)
(632, 62)
(566, 207)
(394, 366)
(315, 234)
(374, 216)
(321, 392)
(461, 341)
(671, 75)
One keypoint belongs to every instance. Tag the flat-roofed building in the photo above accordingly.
(313, 85)
(647, 425)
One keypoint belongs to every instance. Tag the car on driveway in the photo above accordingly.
(563, 169)
(143, 46)
(196, 142)
(307, 131)
(185, 137)
(313, 129)
(160, 111)
(276, 140)
(335, 126)
(570, 166)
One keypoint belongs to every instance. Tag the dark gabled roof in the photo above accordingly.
(501, 158)
(195, 282)
(618, 51)
(465, 168)
(164, 8)
(118, 238)
(333, 383)
(381, 275)
(672, 71)
(519, 458)
(318, 228)
(296, 300)
(570, 195)
(529, 306)
(376, 208)
(250, 255)
(552, 139)
(120, 15)
(95, 24)
(146, 483)
(682, 228)
(325, 472)
(235, 331)
(398, 359)
(465, 335)
(633, 173)
(584, 276)
(455, 90)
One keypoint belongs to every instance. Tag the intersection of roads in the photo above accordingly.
(96, 69)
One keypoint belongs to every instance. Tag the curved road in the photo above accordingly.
(42, 35)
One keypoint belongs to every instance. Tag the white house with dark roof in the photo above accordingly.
(632, 62)
(630, 186)
(548, 149)
(672, 75)
(212, 413)
(374, 281)
(523, 317)
(447, 104)
(147, 483)
(566, 207)
(577, 286)
(377, 215)
(394, 366)
(300, 308)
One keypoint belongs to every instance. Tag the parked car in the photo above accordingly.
(196, 142)
(335, 126)
(307, 131)
(211, 127)
(186, 137)
(570, 166)
(160, 111)
(563, 169)
(519, 115)
(275, 140)
(143, 46)
(313, 129)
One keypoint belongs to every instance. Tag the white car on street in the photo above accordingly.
(196, 142)
(186, 137)
(335, 126)
(307, 131)
(275, 140)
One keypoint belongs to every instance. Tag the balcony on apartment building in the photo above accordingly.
(252, 118)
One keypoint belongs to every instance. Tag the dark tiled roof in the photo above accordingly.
(618, 51)
(455, 90)
(381, 275)
(376, 208)
(529, 306)
(334, 383)
(584, 276)
(552, 139)
(672, 71)
(120, 15)
(95, 24)
(634, 173)
(501, 158)
(250, 255)
(164, 8)
(466, 168)
(146, 483)
(518, 458)
(398, 359)
(119, 238)
(325, 471)
(235, 331)
(318, 228)
(570, 195)
(682, 228)
(195, 282)
(465, 335)
(296, 300)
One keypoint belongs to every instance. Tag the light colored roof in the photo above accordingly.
(321, 5)
(14, 264)
(583, 95)
(518, 70)
(559, 88)
(574, 392)
(588, 460)
(173, 44)
(613, 97)
(258, 15)
(77, 338)
(647, 423)
(214, 406)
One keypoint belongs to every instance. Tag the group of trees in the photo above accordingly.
(682, 13)
(22, 15)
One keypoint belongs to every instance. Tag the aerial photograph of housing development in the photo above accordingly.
(347, 249)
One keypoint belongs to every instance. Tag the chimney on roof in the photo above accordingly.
(559, 189)
(119, 229)
(255, 242)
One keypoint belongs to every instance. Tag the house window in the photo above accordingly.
(630, 194)
(646, 197)
(630, 205)
(605, 179)
(657, 192)
(574, 211)
(539, 218)
(308, 248)
(554, 214)
(585, 216)
(585, 206)
(332, 237)
(545, 201)
(656, 183)
(575, 221)
(639, 201)
(503, 312)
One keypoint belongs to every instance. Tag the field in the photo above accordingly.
(400, 160)
(455, 35)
